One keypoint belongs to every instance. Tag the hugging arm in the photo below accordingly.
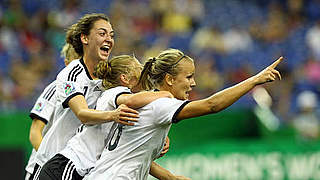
(122, 114)
(223, 99)
(141, 99)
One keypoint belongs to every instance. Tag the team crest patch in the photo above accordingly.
(69, 88)
(39, 107)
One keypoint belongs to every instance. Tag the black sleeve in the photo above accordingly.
(35, 116)
(115, 99)
(65, 102)
(174, 118)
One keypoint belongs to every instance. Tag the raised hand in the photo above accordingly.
(269, 74)
(125, 115)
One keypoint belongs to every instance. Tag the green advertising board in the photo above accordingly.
(229, 145)
(245, 160)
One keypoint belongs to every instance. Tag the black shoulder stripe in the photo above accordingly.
(73, 69)
(75, 77)
(48, 92)
(75, 72)
(49, 95)
(52, 95)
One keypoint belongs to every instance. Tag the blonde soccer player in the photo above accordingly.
(119, 75)
(130, 152)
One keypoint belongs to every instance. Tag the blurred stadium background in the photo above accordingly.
(271, 133)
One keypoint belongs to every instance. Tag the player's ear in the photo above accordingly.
(84, 39)
(124, 79)
(169, 79)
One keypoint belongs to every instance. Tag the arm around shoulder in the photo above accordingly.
(121, 115)
(141, 99)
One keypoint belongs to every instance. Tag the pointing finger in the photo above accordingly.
(273, 65)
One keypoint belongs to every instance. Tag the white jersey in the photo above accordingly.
(129, 154)
(73, 80)
(85, 148)
(43, 110)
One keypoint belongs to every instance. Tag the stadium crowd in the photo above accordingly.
(230, 40)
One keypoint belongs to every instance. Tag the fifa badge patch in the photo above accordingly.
(39, 107)
(69, 88)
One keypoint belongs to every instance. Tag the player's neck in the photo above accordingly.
(164, 88)
(90, 64)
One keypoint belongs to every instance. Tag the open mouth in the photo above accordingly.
(187, 93)
(105, 49)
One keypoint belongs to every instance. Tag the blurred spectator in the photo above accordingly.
(307, 121)
(312, 71)
(237, 39)
(313, 40)
(7, 88)
(275, 29)
(230, 39)
(66, 16)
(208, 78)
(207, 39)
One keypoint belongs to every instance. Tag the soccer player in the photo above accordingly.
(130, 150)
(119, 75)
(43, 110)
(77, 89)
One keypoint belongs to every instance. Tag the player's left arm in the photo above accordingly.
(141, 99)
(35, 135)
(163, 174)
(223, 99)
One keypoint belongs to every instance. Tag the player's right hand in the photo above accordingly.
(125, 115)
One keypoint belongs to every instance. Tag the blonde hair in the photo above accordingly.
(68, 53)
(156, 68)
(110, 71)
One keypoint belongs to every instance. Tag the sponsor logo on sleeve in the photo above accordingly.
(69, 88)
(39, 106)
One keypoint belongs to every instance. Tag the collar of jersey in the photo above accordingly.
(85, 67)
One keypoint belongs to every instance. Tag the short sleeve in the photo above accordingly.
(167, 109)
(108, 99)
(67, 90)
(44, 107)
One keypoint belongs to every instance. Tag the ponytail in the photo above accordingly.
(144, 80)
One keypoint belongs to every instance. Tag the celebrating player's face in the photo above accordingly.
(183, 82)
(101, 40)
